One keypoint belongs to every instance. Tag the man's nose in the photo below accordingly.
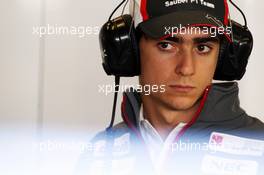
(185, 62)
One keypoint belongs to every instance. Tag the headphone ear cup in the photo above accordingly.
(233, 57)
(134, 47)
(119, 47)
(224, 46)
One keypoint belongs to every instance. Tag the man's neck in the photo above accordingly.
(164, 119)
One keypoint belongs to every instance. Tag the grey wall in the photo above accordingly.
(53, 80)
(49, 85)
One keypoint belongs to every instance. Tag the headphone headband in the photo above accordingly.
(120, 50)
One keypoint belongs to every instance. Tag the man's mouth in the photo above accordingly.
(182, 88)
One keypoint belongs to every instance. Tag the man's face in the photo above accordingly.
(185, 64)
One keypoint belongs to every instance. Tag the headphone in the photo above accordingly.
(120, 51)
(119, 47)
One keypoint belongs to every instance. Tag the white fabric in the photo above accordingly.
(158, 149)
(134, 11)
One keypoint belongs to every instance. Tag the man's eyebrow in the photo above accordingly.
(174, 39)
(195, 40)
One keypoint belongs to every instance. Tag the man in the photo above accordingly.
(191, 126)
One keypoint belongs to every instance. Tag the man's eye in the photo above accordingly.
(165, 46)
(203, 49)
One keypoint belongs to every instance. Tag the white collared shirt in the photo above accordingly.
(157, 148)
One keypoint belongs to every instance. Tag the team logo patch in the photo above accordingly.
(122, 145)
(235, 145)
(99, 148)
(222, 166)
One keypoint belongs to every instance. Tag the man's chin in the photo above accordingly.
(181, 107)
(181, 104)
(175, 102)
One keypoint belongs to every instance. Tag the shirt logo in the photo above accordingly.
(216, 139)
(235, 145)
(218, 166)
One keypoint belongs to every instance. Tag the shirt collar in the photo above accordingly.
(148, 131)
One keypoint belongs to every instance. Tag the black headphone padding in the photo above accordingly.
(119, 47)
(233, 57)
